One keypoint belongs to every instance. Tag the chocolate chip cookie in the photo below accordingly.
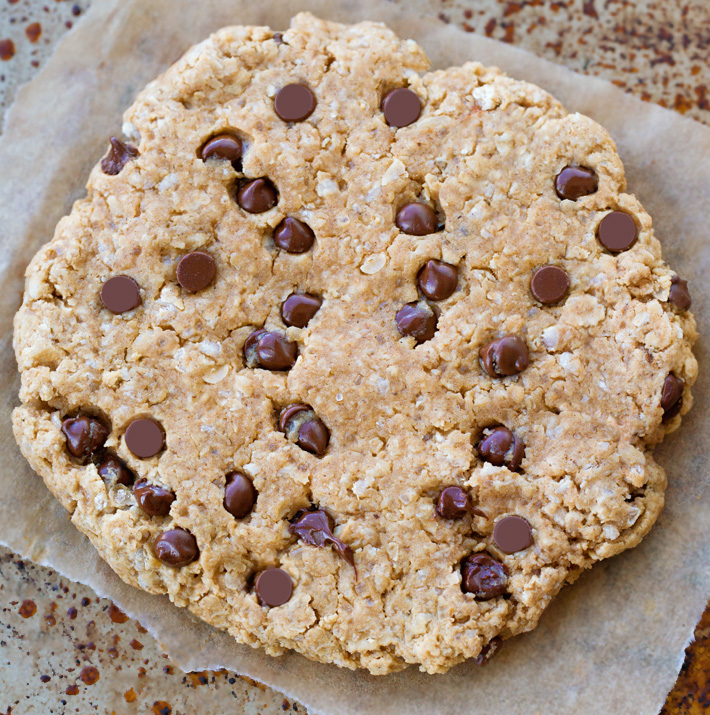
(350, 357)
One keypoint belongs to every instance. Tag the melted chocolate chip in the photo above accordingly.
(453, 503)
(506, 356)
(483, 577)
(315, 527)
(273, 587)
(549, 284)
(223, 146)
(195, 271)
(294, 236)
(512, 534)
(118, 156)
(574, 182)
(270, 351)
(401, 107)
(176, 547)
(488, 651)
(500, 446)
(299, 308)
(152, 499)
(617, 232)
(85, 436)
(672, 396)
(679, 294)
(438, 280)
(417, 320)
(239, 495)
(257, 196)
(302, 426)
(114, 471)
(120, 294)
(416, 219)
(144, 437)
(294, 103)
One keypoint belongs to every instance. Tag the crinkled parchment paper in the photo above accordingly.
(613, 642)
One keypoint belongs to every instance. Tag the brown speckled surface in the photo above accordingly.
(62, 649)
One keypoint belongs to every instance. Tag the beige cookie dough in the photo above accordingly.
(404, 418)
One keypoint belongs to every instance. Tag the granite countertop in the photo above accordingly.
(63, 649)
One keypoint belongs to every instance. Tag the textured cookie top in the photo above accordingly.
(352, 358)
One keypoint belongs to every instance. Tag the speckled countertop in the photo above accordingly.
(62, 649)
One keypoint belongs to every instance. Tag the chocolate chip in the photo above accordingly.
(574, 182)
(672, 396)
(302, 426)
(453, 503)
(85, 435)
(294, 103)
(483, 577)
(512, 534)
(114, 471)
(549, 284)
(239, 495)
(506, 356)
(120, 294)
(294, 236)
(257, 196)
(679, 295)
(195, 271)
(270, 351)
(416, 219)
(223, 146)
(144, 437)
(279, 38)
(118, 156)
(176, 547)
(417, 320)
(154, 500)
(488, 651)
(401, 107)
(273, 587)
(438, 280)
(299, 308)
(315, 527)
(500, 446)
(617, 232)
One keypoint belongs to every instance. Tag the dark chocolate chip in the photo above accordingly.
(417, 320)
(288, 413)
(617, 232)
(223, 146)
(144, 437)
(114, 471)
(195, 271)
(438, 280)
(483, 577)
(257, 196)
(315, 527)
(279, 38)
(401, 107)
(488, 651)
(239, 495)
(574, 182)
(299, 308)
(120, 294)
(294, 236)
(302, 426)
(506, 356)
(118, 156)
(176, 547)
(512, 534)
(152, 499)
(672, 396)
(85, 435)
(270, 351)
(453, 503)
(549, 284)
(679, 295)
(294, 103)
(273, 587)
(500, 446)
(416, 219)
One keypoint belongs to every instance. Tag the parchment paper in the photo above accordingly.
(613, 642)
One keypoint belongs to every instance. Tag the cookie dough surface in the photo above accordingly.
(404, 417)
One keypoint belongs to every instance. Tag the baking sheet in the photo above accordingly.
(613, 642)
